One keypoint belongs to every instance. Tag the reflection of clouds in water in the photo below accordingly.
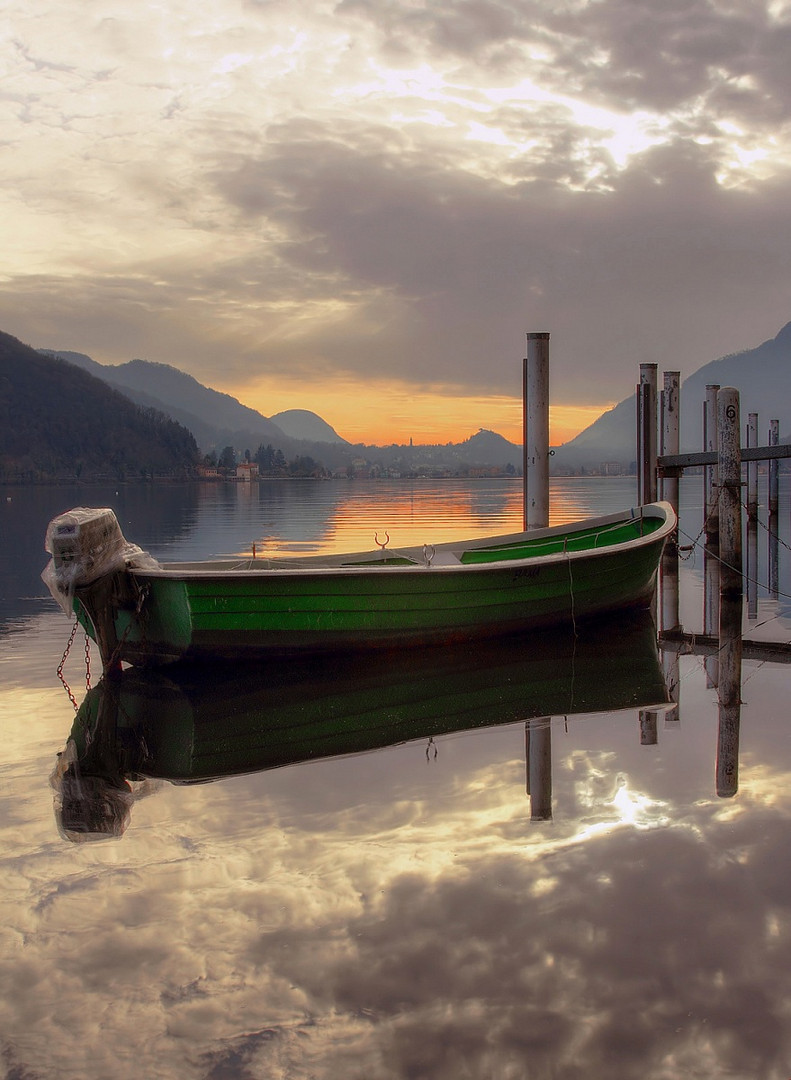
(323, 935)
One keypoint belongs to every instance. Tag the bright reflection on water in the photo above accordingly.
(412, 911)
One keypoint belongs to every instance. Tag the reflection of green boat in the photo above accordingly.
(148, 614)
(183, 727)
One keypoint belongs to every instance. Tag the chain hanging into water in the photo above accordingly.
(690, 548)
(767, 530)
(65, 656)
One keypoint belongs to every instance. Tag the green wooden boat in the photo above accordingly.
(147, 613)
(189, 725)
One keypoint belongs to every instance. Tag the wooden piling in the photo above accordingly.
(535, 431)
(752, 468)
(646, 435)
(731, 589)
(774, 475)
(730, 504)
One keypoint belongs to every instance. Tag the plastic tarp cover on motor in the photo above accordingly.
(85, 544)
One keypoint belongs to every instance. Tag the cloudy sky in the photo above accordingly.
(359, 207)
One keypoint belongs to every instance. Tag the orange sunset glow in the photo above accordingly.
(370, 204)
(395, 412)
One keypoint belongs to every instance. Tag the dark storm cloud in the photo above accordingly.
(466, 262)
(628, 53)
(402, 189)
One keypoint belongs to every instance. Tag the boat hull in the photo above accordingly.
(149, 617)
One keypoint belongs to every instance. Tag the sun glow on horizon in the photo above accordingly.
(398, 412)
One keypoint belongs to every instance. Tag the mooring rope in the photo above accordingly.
(695, 543)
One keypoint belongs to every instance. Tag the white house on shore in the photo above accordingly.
(247, 471)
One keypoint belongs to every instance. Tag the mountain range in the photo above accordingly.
(214, 418)
(53, 424)
(218, 420)
(762, 374)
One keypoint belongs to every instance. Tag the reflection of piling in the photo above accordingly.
(535, 431)
(751, 574)
(538, 770)
(729, 696)
(711, 611)
(774, 562)
(670, 671)
(669, 577)
(646, 434)
(670, 619)
(711, 519)
(648, 734)
(730, 475)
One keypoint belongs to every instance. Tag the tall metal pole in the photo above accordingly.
(535, 431)
(646, 434)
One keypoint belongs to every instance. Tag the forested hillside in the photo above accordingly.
(58, 422)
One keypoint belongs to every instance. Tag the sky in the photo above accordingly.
(361, 207)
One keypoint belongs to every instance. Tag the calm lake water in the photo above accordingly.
(538, 879)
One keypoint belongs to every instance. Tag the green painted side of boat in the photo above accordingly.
(419, 596)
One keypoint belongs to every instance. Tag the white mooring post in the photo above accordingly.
(646, 435)
(669, 429)
(670, 405)
(730, 501)
(535, 431)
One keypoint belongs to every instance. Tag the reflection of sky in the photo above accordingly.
(398, 915)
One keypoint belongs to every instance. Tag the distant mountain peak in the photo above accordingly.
(784, 337)
(761, 374)
(307, 425)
